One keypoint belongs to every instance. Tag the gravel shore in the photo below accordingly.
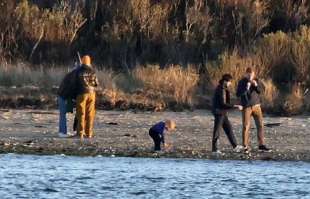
(125, 133)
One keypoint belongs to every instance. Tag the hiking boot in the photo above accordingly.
(263, 148)
(238, 149)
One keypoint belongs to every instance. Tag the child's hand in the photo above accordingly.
(167, 147)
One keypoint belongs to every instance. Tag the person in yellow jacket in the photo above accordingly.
(87, 83)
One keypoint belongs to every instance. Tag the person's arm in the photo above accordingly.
(162, 136)
(242, 89)
(223, 102)
(256, 86)
(96, 81)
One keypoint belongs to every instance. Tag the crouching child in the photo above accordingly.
(157, 133)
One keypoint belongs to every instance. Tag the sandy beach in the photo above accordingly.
(125, 133)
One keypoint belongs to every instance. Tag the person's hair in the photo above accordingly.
(170, 124)
(227, 77)
(249, 70)
(86, 60)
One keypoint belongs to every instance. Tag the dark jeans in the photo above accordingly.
(221, 121)
(157, 140)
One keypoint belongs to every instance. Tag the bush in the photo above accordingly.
(173, 82)
(231, 63)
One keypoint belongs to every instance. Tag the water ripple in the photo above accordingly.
(50, 177)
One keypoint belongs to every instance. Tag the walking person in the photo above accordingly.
(66, 93)
(86, 98)
(221, 106)
(248, 91)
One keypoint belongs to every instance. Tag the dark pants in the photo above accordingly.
(157, 140)
(221, 121)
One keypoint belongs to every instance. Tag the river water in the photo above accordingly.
(27, 176)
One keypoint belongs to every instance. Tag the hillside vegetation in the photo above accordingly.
(168, 53)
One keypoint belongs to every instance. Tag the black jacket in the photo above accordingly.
(221, 101)
(68, 88)
(248, 97)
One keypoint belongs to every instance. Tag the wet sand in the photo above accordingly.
(125, 133)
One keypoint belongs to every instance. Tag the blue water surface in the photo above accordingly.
(28, 176)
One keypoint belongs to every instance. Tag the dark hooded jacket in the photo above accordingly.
(249, 97)
(221, 100)
(68, 86)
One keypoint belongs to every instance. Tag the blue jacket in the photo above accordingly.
(159, 128)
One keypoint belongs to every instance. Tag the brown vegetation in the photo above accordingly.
(161, 53)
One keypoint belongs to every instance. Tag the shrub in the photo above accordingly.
(52, 31)
(300, 54)
(231, 63)
(174, 81)
(273, 50)
(269, 96)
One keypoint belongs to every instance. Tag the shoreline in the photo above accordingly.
(294, 157)
(124, 134)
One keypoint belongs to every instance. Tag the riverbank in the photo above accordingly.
(126, 134)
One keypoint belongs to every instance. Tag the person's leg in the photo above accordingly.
(80, 113)
(156, 139)
(258, 118)
(90, 114)
(246, 123)
(75, 123)
(62, 115)
(218, 121)
(229, 131)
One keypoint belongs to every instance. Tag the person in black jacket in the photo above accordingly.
(220, 108)
(248, 91)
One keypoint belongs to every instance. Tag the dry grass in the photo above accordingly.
(145, 87)
(174, 81)
(231, 63)
(149, 88)
(270, 95)
(22, 75)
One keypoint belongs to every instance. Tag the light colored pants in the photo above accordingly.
(85, 110)
(257, 114)
(62, 115)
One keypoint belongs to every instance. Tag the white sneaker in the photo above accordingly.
(217, 152)
(63, 135)
(238, 149)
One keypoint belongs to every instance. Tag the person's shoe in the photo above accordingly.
(217, 152)
(263, 148)
(73, 134)
(64, 135)
(246, 150)
(238, 149)
(89, 136)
